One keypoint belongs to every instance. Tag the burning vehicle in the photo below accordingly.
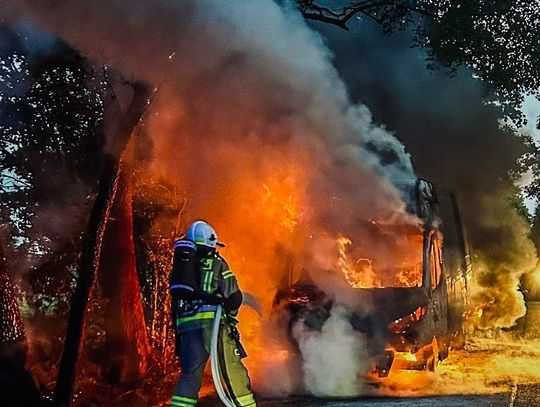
(409, 302)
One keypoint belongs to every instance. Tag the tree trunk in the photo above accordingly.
(11, 322)
(89, 262)
(17, 387)
(126, 341)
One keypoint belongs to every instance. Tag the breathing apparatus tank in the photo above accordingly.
(183, 278)
(201, 239)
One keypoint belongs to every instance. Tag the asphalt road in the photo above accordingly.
(516, 396)
(520, 396)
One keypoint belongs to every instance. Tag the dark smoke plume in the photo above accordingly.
(457, 142)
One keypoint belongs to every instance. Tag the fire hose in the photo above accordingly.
(216, 372)
(252, 302)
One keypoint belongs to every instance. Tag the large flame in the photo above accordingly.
(402, 269)
(358, 273)
(279, 209)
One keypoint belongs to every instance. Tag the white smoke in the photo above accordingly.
(335, 358)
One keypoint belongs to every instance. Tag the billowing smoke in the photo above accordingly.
(253, 123)
(342, 352)
(456, 142)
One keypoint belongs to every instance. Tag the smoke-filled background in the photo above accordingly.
(457, 142)
(253, 123)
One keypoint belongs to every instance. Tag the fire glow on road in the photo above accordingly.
(486, 366)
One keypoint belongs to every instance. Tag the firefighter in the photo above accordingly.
(200, 280)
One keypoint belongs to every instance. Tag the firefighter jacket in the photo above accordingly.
(217, 284)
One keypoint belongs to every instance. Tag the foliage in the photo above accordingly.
(52, 104)
(51, 135)
(498, 40)
(158, 207)
(530, 163)
(53, 282)
(517, 202)
(535, 231)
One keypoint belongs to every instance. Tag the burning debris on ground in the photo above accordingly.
(372, 279)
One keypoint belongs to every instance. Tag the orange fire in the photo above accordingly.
(361, 272)
(278, 207)
(283, 208)
(358, 273)
(263, 220)
(487, 366)
(273, 211)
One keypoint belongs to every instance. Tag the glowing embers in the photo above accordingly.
(392, 360)
(407, 357)
(396, 360)
(401, 325)
(11, 322)
(396, 262)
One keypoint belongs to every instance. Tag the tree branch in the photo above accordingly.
(19, 181)
(340, 17)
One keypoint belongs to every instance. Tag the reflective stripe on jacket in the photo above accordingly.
(204, 312)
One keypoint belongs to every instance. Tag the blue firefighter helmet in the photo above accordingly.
(201, 233)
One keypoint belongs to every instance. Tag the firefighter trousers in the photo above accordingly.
(194, 353)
